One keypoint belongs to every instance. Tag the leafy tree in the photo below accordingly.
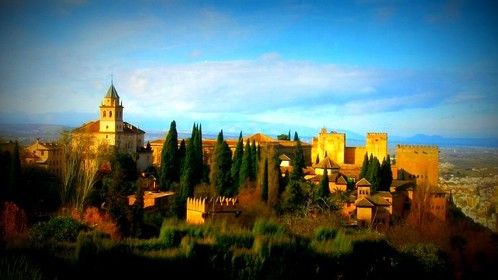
(324, 190)
(237, 162)
(293, 196)
(264, 185)
(283, 137)
(169, 170)
(364, 167)
(138, 213)
(220, 176)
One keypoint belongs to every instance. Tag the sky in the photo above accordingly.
(402, 67)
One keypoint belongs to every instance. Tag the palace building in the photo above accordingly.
(112, 130)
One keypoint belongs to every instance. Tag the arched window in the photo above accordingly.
(104, 114)
(110, 113)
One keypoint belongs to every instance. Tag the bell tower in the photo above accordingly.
(111, 112)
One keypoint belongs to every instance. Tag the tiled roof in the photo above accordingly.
(378, 200)
(364, 202)
(327, 163)
(284, 157)
(260, 138)
(341, 181)
(384, 194)
(363, 182)
(94, 127)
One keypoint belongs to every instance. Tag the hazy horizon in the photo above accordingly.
(403, 68)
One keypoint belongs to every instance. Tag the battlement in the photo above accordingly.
(426, 149)
(218, 204)
(376, 134)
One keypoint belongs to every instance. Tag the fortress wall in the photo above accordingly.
(376, 144)
(354, 155)
(418, 162)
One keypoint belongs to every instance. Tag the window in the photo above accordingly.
(110, 113)
(104, 114)
(106, 127)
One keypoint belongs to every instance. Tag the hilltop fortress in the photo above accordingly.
(417, 163)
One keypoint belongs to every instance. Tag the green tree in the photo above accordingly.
(283, 137)
(264, 185)
(289, 135)
(324, 190)
(198, 166)
(169, 170)
(293, 196)
(246, 165)
(297, 161)
(373, 175)
(220, 176)
(237, 162)
(386, 175)
(181, 153)
(255, 160)
(364, 167)
(138, 213)
(296, 137)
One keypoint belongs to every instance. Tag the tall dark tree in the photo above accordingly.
(198, 165)
(264, 184)
(137, 221)
(246, 166)
(169, 170)
(296, 137)
(373, 175)
(386, 175)
(364, 167)
(255, 161)
(237, 162)
(324, 190)
(317, 160)
(186, 181)
(297, 161)
(180, 154)
(289, 136)
(220, 176)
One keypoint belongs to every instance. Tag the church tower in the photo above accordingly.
(111, 112)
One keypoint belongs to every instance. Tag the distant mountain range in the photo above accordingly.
(27, 133)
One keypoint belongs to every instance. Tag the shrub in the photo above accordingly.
(266, 227)
(57, 229)
(171, 236)
(324, 233)
(18, 267)
(239, 240)
(13, 221)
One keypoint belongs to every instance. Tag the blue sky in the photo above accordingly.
(404, 67)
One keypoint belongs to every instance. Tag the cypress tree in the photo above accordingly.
(246, 166)
(14, 173)
(169, 170)
(374, 174)
(364, 167)
(297, 161)
(255, 160)
(264, 187)
(237, 162)
(220, 168)
(274, 176)
(289, 136)
(296, 137)
(187, 177)
(386, 175)
(324, 190)
(182, 150)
